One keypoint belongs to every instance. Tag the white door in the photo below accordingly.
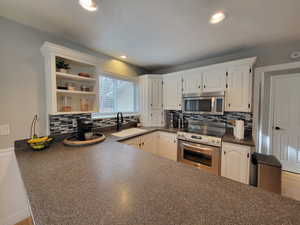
(167, 145)
(235, 162)
(285, 111)
(172, 91)
(214, 80)
(192, 81)
(239, 91)
(149, 143)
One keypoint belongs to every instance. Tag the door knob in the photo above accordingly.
(277, 128)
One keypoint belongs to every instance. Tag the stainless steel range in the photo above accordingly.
(200, 145)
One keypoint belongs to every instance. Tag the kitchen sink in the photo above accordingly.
(129, 132)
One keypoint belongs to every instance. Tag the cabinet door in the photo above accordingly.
(214, 80)
(236, 162)
(167, 145)
(192, 81)
(156, 94)
(144, 100)
(134, 142)
(239, 90)
(172, 91)
(149, 143)
(156, 118)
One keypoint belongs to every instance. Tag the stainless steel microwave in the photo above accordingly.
(211, 103)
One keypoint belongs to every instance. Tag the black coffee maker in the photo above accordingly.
(84, 126)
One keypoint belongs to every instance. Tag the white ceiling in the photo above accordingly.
(160, 33)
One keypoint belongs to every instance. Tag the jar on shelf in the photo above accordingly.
(84, 104)
(83, 87)
(66, 103)
(71, 86)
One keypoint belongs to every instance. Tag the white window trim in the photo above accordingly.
(98, 115)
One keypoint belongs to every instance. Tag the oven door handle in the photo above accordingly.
(194, 148)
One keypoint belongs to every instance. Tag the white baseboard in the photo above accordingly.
(16, 217)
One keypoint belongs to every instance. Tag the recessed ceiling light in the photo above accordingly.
(89, 5)
(217, 17)
(123, 57)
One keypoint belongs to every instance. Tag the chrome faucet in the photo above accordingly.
(119, 122)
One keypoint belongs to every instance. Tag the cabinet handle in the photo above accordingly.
(199, 86)
(179, 105)
(224, 152)
(204, 86)
(248, 155)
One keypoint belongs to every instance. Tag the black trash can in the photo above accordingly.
(268, 172)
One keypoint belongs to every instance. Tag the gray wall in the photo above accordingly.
(268, 54)
(22, 86)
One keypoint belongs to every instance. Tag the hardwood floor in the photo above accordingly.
(27, 221)
(290, 185)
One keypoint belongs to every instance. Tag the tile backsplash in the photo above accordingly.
(67, 124)
(247, 117)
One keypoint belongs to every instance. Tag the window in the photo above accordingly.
(116, 96)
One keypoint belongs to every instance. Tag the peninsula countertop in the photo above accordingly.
(115, 184)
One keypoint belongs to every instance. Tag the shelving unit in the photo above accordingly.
(75, 92)
(74, 77)
(78, 101)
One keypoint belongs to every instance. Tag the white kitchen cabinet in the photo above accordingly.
(235, 163)
(151, 100)
(192, 81)
(172, 91)
(214, 79)
(160, 143)
(167, 145)
(134, 142)
(149, 142)
(238, 95)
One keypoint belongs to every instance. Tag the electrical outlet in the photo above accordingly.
(4, 129)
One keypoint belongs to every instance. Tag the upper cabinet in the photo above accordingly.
(172, 91)
(151, 100)
(192, 81)
(238, 95)
(214, 79)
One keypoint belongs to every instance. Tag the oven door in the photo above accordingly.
(199, 105)
(202, 156)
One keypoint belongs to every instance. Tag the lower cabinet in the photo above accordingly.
(167, 145)
(161, 143)
(134, 142)
(149, 142)
(235, 163)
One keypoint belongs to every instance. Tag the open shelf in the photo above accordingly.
(74, 112)
(74, 77)
(75, 92)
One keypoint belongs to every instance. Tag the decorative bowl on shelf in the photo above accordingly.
(84, 75)
(39, 144)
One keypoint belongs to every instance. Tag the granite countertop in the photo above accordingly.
(112, 183)
(228, 137)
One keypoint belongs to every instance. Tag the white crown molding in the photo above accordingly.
(247, 61)
(49, 49)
